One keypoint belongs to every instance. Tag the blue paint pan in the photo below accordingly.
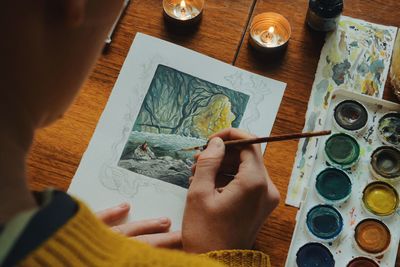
(314, 255)
(324, 222)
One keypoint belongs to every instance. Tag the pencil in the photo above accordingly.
(258, 140)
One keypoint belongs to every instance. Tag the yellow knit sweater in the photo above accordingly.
(85, 241)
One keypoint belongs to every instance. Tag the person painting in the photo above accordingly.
(48, 48)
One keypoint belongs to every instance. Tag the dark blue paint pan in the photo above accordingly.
(314, 255)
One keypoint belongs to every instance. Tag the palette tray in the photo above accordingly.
(344, 248)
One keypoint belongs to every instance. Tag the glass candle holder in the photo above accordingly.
(270, 32)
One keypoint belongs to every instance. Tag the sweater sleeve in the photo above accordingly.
(240, 258)
(86, 241)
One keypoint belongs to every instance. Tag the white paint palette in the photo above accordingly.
(344, 248)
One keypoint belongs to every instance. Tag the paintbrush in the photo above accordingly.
(258, 140)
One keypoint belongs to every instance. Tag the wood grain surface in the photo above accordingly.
(57, 150)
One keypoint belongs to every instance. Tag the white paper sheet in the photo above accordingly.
(102, 183)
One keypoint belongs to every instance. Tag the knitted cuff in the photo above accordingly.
(240, 258)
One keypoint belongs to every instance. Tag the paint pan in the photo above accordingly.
(324, 222)
(380, 198)
(385, 164)
(314, 255)
(389, 129)
(350, 116)
(342, 150)
(372, 237)
(333, 186)
(362, 262)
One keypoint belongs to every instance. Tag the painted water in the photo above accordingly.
(158, 156)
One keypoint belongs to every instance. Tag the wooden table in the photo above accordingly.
(58, 149)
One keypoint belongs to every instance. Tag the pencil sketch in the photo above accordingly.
(178, 111)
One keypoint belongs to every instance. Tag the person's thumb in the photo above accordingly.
(208, 164)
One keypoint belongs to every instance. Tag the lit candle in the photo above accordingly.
(269, 32)
(270, 39)
(184, 11)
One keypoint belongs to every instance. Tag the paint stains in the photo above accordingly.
(377, 67)
(352, 216)
(367, 137)
(369, 87)
(363, 69)
(340, 71)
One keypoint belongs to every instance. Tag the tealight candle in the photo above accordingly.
(183, 11)
(269, 31)
(269, 38)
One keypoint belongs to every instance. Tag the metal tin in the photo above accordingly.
(372, 237)
(350, 116)
(324, 223)
(389, 129)
(385, 164)
(260, 32)
(342, 150)
(380, 199)
(333, 186)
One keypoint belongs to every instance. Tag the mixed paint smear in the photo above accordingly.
(355, 57)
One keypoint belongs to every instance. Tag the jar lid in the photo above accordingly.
(326, 8)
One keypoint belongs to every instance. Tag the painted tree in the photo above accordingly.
(174, 99)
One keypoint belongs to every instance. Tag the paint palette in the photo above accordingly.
(350, 215)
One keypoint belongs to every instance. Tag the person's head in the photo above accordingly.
(47, 48)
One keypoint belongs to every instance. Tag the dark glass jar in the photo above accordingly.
(323, 15)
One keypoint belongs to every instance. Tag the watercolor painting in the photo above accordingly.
(356, 57)
(178, 111)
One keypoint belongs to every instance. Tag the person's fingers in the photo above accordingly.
(207, 166)
(143, 227)
(223, 179)
(248, 152)
(232, 134)
(171, 240)
(196, 156)
(190, 179)
(113, 215)
(230, 164)
(193, 168)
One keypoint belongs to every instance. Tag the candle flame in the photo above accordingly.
(183, 6)
(270, 30)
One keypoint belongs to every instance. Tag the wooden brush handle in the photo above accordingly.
(277, 138)
(258, 140)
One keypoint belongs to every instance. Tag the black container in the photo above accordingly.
(323, 15)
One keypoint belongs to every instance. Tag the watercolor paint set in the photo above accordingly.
(349, 215)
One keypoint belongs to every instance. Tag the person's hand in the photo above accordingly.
(229, 197)
(153, 231)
